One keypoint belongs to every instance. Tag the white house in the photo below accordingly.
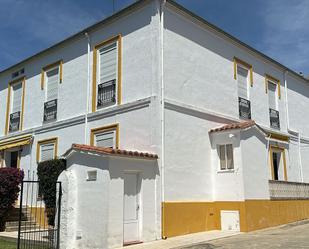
(229, 124)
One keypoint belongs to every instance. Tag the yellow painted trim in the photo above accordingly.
(117, 38)
(105, 129)
(8, 103)
(273, 148)
(50, 66)
(273, 80)
(245, 64)
(53, 140)
(281, 137)
(18, 159)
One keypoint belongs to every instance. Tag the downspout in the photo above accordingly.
(288, 125)
(88, 88)
(162, 3)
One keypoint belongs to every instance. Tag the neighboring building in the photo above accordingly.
(156, 78)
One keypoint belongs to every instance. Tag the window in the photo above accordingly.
(240, 63)
(50, 79)
(47, 149)
(242, 80)
(278, 164)
(12, 158)
(107, 73)
(15, 104)
(243, 75)
(273, 90)
(226, 157)
(107, 136)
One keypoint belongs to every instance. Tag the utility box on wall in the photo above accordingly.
(230, 220)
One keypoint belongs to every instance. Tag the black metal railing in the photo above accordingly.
(14, 121)
(274, 118)
(106, 93)
(244, 106)
(34, 228)
(50, 110)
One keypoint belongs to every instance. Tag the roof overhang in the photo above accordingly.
(108, 152)
(15, 142)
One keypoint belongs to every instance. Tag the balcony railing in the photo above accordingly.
(50, 110)
(282, 190)
(274, 119)
(244, 108)
(106, 93)
(14, 121)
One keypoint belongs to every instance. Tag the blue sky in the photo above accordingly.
(279, 28)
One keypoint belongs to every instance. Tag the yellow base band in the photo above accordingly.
(179, 218)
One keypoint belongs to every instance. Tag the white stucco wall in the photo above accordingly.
(199, 70)
(256, 167)
(228, 185)
(98, 205)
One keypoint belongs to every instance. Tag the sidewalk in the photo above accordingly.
(185, 240)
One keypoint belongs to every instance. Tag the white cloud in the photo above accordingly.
(286, 33)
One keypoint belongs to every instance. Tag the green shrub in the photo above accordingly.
(48, 173)
(10, 179)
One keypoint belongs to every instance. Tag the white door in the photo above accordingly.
(131, 208)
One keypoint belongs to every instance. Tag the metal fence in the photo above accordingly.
(34, 230)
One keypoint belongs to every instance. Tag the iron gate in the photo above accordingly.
(38, 226)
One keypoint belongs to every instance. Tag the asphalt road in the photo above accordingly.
(293, 236)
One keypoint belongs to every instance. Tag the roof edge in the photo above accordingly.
(228, 35)
(108, 19)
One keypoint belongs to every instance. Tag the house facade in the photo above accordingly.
(228, 124)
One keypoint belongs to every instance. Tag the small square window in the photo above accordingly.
(91, 175)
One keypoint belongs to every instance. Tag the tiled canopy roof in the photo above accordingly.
(110, 151)
(233, 126)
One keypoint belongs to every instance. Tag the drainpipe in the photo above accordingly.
(161, 71)
(88, 87)
(288, 125)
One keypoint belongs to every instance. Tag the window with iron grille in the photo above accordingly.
(244, 105)
(16, 102)
(274, 118)
(50, 110)
(273, 105)
(107, 75)
(50, 105)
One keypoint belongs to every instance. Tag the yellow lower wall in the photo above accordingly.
(179, 218)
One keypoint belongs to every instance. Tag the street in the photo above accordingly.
(291, 236)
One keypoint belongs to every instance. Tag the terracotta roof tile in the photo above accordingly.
(110, 151)
(232, 126)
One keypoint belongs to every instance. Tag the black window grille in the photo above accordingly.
(50, 110)
(274, 118)
(244, 108)
(106, 93)
(14, 121)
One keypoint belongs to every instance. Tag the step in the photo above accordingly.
(22, 228)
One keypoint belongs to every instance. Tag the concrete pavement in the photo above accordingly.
(292, 236)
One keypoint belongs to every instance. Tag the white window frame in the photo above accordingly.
(248, 79)
(98, 71)
(13, 96)
(46, 80)
(225, 157)
(276, 93)
(104, 132)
